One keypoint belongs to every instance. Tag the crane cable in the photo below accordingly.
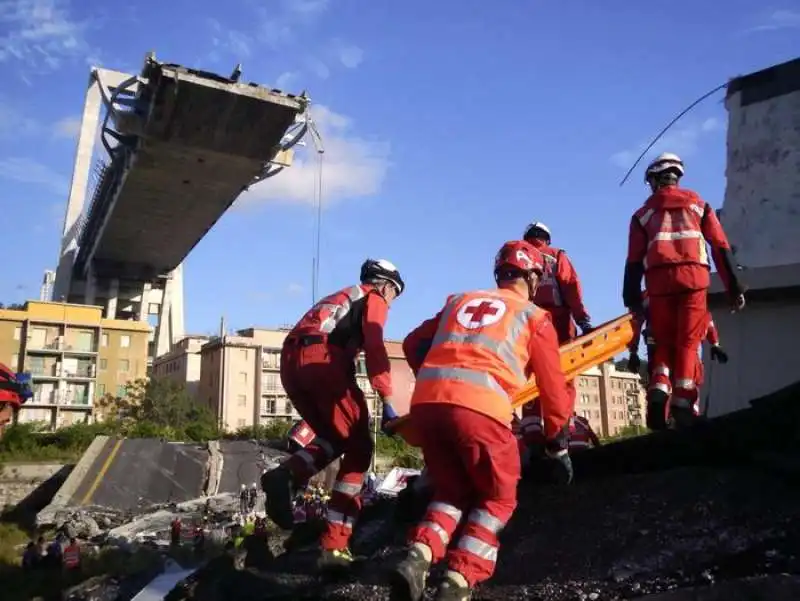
(318, 197)
(669, 125)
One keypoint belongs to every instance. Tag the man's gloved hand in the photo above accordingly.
(585, 327)
(719, 355)
(634, 363)
(388, 415)
(561, 466)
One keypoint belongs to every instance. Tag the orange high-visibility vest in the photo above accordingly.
(479, 356)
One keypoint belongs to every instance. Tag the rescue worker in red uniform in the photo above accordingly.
(484, 345)
(667, 245)
(581, 434)
(318, 374)
(560, 294)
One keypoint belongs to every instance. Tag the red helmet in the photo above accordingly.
(520, 255)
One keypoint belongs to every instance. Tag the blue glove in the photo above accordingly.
(388, 415)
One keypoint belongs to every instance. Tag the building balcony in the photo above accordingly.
(79, 349)
(47, 372)
(47, 347)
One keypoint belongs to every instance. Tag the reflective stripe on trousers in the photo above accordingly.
(482, 549)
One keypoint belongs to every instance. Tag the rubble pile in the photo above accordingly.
(703, 516)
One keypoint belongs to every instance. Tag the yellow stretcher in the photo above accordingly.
(577, 356)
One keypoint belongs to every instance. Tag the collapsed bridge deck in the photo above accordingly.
(189, 143)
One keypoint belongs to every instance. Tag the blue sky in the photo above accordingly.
(448, 126)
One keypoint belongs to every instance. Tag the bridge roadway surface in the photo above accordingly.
(128, 474)
(133, 474)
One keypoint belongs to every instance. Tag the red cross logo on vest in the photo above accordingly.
(481, 312)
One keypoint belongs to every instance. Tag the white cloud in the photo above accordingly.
(294, 289)
(319, 68)
(683, 140)
(353, 167)
(28, 171)
(40, 34)
(350, 55)
(231, 42)
(778, 19)
(286, 80)
(68, 127)
(306, 7)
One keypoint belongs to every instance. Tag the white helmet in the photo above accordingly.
(664, 162)
(536, 225)
(381, 270)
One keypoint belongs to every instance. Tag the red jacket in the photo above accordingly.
(667, 244)
(353, 319)
(560, 288)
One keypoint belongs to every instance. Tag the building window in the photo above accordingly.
(289, 407)
(243, 377)
(242, 423)
(271, 382)
(152, 308)
(241, 400)
(125, 341)
(103, 364)
(101, 389)
(361, 366)
(121, 390)
(17, 333)
(124, 365)
(245, 354)
(104, 340)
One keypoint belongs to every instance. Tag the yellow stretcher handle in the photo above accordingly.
(577, 356)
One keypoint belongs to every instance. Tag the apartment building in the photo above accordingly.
(74, 356)
(610, 399)
(182, 363)
(240, 378)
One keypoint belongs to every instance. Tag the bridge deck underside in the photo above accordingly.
(194, 144)
(169, 198)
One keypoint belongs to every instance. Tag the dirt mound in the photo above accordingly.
(660, 514)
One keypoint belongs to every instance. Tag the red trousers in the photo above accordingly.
(532, 428)
(678, 324)
(473, 467)
(321, 383)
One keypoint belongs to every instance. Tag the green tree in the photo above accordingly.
(159, 407)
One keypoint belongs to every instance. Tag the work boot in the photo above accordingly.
(335, 559)
(683, 417)
(409, 576)
(657, 409)
(454, 588)
(278, 486)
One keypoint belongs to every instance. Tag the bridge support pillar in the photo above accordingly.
(113, 294)
(90, 290)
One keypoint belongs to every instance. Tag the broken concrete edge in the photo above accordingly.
(127, 532)
(215, 464)
(60, 501)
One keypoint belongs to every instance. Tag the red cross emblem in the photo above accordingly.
(481, 312)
